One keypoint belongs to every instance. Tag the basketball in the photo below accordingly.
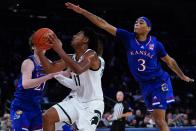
(39, 38)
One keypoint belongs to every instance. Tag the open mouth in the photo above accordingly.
(136, 28)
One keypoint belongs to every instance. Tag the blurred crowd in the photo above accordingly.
(5, 122)
(144, 119)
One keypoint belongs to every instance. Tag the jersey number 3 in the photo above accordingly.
(142, 66)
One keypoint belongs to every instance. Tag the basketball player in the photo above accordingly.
(143, 53)
(84, 106)
(25, 109)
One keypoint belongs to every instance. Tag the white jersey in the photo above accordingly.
(86, 86)
(84, 106)
(89, 82)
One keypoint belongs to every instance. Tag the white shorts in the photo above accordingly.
(86, 116)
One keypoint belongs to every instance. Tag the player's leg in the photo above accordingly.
(160, 97)
(159, 117)
(50, 117)
(89, 115)
(63, 111)
(155, 101)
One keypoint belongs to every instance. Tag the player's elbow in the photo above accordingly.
(25, 85)
(103, 24)
(109, 28)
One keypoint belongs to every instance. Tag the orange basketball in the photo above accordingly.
(39, 38)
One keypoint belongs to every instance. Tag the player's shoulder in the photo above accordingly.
(90, 53)
(27, 64)
(101, 59)
(154, 39)
(102, 62)
(27, 61)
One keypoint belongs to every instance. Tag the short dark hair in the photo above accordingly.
(95, 40)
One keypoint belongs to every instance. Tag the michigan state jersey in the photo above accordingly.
(143, 56)
(84, 106)
(29, 99)
(89, 82)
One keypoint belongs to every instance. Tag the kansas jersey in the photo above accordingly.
(143, 56)
(89, 82)
(29, 99)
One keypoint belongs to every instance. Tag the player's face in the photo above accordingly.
(35, 50)
(119, 96)
(141, 27)
(79, 39)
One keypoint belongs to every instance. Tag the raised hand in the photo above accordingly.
(56, 43)
(73, 7)
(187, 79)
(52, 38)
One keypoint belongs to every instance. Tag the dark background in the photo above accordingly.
(173, 23)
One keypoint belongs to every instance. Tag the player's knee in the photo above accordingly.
(50, 116)
(160, 123)
(46, 118)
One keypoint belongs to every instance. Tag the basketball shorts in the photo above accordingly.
(157, 94)
(26, 120)
(85, 115)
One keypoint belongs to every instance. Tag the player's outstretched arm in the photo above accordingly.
(93, 18)
(27, 81)
(172, 64)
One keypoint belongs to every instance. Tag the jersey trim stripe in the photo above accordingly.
(75, 80)
(66, 114)
(25, 129)
(97, 68)
(169, 101)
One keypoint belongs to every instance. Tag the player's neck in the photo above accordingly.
(80, 52)
(37, 59)
(142, 37)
